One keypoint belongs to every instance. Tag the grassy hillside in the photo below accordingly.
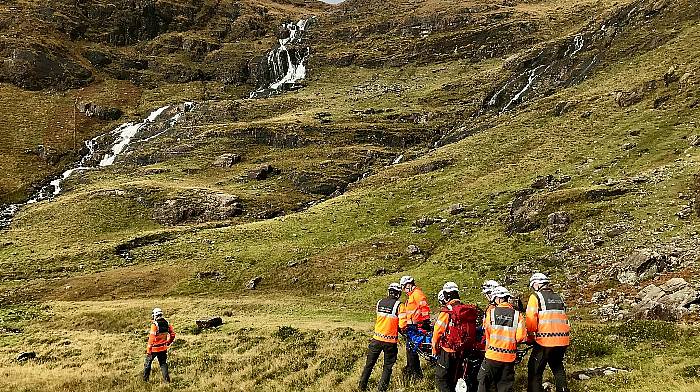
(615, 129)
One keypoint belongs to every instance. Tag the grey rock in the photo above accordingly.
(253, 283)
(694, 140)
(98, 111)
(642, 264)
(456, 209)
(211, 275)
(425, 221)
(413, 250)
(227, 160)
(559, 221)
(262, 172)
(25, 356)
(650, 293)
(674, 284)
(209, 323)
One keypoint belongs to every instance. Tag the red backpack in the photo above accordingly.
(461, 329)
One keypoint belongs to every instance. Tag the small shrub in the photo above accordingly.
(692, 371)
(646, 330)
(589, 343)
(287, 333)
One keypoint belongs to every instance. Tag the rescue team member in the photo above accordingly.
(504, 328)
(548, 329)
(385, 338)
(160, 338)
(486, 289)
(416, 314)
(449, 361)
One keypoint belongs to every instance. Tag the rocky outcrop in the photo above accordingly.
(524, 213)
(641, 265)
(197, 206)
(37, 67)
(262, 173)
(98, 111)
(670, 301)
(227, 160)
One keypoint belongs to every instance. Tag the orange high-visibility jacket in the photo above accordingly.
(386, 328)
(416, 309)
(441, 323)
(161, 336)
(505, 328)
(547, 323)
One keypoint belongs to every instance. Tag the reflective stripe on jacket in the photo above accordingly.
(505, 328)
(386, 328)
(416, 308)
(441, 324)
(160, 337)
(547, 323)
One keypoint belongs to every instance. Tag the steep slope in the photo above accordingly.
(558, 136)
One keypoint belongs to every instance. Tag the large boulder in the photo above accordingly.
(106, 113)
(227, 160)
(671, 301)
(642, 264)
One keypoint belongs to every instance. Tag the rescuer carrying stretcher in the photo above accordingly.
(472, 350)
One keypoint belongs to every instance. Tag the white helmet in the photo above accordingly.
(441, 297)
(395, 287)
(500, 292)
(157, 312)
(406, 279)
(488, 287)
(450, 286)
(538, 278)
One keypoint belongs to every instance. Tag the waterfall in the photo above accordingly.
(285, 64)
(124, 136)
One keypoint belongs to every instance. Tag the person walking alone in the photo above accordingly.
(160, 337)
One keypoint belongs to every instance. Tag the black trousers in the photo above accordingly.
(413, 364)
(375, 349)
(495, 373)
(540, 357)
(446, 371)
(162, 362)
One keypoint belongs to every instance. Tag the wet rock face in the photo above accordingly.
(37, 67)
(570, 61)
(197, 206)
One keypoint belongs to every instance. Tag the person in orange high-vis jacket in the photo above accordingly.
(448, 360)
(549, 332)
(160, 337)
(385, 338)
(415, 314)
(504, 329)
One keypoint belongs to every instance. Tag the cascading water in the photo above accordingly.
(123, 136)
(285, 65)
